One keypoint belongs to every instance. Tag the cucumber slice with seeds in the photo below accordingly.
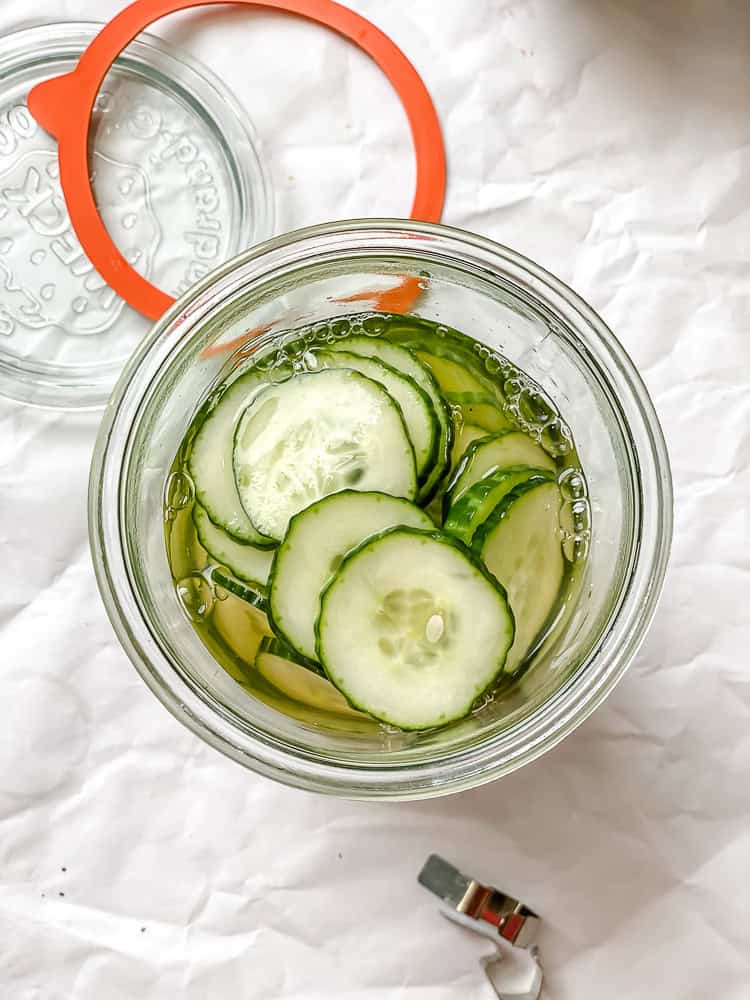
(475, 505)
(210, 461)
(412, 630)
(247, 562)
(404, 361)
(315, 544)
(313, 435)
(521, 546)
(496, 452)
(416, 408)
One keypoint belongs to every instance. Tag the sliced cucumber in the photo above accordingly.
(416, 408)
(247, 562)
(210, 461)
(491, 453)
(412, 630)
(481, 409)
(404, 361)
(272, 644)
(477, 401)
(463, 438)
(475, 505)
(316, 434)
(451, 376)
(300, 684)
(248, 594)
(521, 546)
(313, 548)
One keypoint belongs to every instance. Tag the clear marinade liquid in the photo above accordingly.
(487, 396)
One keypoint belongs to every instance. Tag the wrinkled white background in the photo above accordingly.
(610, 141)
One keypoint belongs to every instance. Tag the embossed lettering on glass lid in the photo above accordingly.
(179, 185)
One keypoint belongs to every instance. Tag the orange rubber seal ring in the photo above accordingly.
(63, 107)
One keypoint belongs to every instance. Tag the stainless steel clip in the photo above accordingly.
(490, 912)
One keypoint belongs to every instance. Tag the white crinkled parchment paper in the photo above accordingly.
(610, 141)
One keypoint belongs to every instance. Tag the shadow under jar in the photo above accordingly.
(519, 313)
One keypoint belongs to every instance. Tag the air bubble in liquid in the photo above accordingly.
(572, 485)
(556, 439)
(196, 596)
(534, 408)
(576, 546)
(580, 510)
(178, 493)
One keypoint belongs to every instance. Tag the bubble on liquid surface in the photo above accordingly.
(196, 596)
(373, 326)
(340, 328)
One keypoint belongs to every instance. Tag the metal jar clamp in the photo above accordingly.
(492, 913)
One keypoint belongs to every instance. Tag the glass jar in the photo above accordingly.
(513, 307)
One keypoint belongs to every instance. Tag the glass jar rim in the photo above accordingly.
(488, 758)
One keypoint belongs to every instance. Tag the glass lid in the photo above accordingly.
(179, 183)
